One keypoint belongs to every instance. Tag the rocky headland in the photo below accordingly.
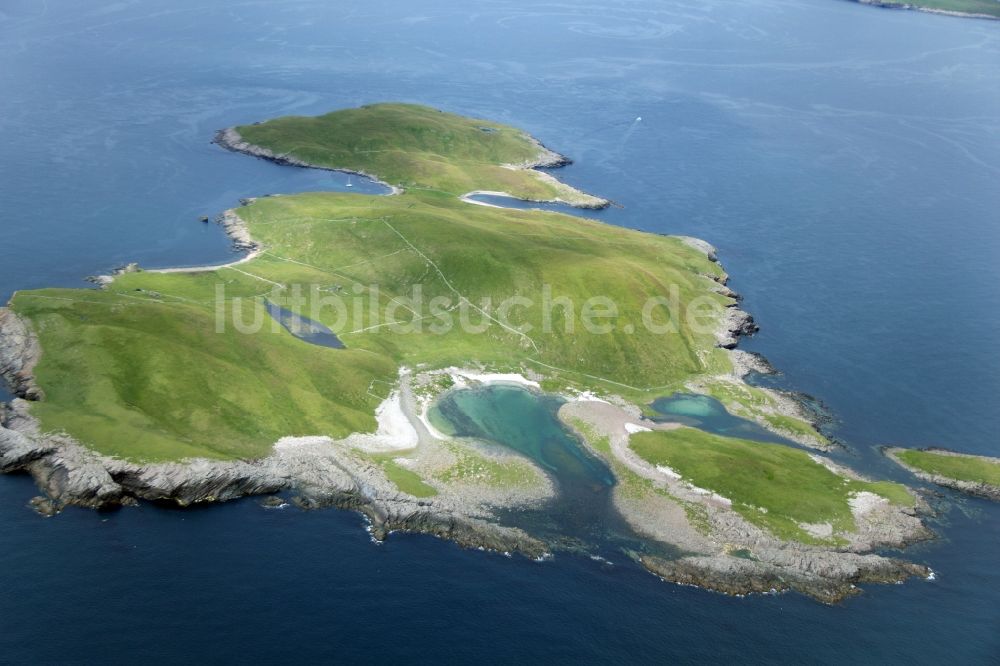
(723, 551)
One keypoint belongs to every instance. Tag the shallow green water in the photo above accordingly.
(526, 422)
(710, 415)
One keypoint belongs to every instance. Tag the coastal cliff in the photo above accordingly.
(69, 474)
(19, 353)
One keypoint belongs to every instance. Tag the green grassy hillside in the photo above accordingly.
(151, 378)
(414, 147)
(142, 370)
(961, 468)
(774, 486)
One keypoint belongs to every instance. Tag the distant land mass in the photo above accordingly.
(988, 9)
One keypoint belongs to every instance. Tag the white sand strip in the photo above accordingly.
(491, 377)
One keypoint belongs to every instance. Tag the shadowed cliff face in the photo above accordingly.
(19, 353)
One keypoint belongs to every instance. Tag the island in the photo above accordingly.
(972, 474)
(984, 9)
(342, 359)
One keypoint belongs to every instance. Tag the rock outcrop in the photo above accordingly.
(826, 577)
(703, 246)
(103, 281)
(736, 323)
(19, 352)
(237, 230)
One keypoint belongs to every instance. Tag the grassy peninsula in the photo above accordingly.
(418, 148)
(782, 489)
(977, 475)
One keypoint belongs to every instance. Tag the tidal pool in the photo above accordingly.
(582, 514)
(710, 415)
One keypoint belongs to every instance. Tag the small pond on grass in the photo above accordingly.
(303, 327)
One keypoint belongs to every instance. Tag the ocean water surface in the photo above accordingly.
(843, 159)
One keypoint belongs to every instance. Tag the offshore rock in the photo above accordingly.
(827, 579)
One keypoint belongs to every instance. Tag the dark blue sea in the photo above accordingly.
(844, 159)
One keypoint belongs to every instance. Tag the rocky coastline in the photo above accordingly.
(829, 578)
(69, 474)
(317, 475)
(976, 488)
(736, 323)
(19, 353)
(724, 552)
(231, 140)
